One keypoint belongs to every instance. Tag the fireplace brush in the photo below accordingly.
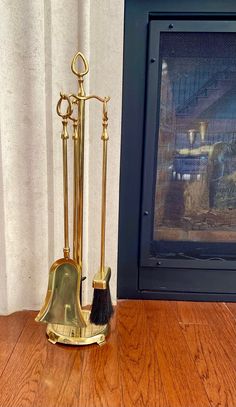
(67, 322)
(102, 309)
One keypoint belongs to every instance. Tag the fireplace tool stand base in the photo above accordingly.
(70, 335)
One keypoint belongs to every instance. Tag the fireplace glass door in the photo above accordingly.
(195, 194)
(189, 185)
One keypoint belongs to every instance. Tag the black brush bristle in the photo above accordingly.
(102, 309)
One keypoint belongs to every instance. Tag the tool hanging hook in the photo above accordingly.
(69, 110)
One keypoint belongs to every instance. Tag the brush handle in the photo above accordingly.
(75, 195)
(105, 139)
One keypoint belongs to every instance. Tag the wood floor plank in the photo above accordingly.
(37, 370)
(189, 312)
(153, 358)
(55, 376)
(216, 370)
(98, 383)
(10, 329)
(218, 317)
(231, 306)
(20, 379)
(139, 370)
(182, 384)
(204, 313)
(223, 324)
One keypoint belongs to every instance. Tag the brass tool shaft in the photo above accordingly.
(64, 137)
(79, 161)
(105, 139)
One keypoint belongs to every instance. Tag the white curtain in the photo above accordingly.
(38, 40)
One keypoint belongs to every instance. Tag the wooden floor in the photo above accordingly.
(159, 353)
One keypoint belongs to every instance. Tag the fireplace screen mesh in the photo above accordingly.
(195, 198)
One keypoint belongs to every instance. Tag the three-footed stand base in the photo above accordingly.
(70, 335)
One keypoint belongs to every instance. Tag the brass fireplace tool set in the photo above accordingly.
(67, 322)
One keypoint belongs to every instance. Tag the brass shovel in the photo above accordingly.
(62, 302)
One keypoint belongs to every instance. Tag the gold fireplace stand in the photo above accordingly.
(67, 322)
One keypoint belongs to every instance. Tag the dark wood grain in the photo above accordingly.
(158, 354)
(22, 374)
(181, 381)
(215, 368)
(55, 376)
(97, 383)
(139, 368)
(189, 313)
(222, 324)
(232, 308)
(11, 328)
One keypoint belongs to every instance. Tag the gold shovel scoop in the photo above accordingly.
(62, 304)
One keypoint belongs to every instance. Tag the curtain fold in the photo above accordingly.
(36, 36)
(38, 40)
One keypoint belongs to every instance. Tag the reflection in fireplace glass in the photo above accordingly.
(195, 197)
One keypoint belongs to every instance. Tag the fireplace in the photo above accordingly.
(178, 167)
(195, 187)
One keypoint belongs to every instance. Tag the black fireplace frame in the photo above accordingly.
(216, 281)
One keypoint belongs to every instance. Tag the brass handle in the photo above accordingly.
(105, 139)
(64, 137)
(69, 109)
(73, 65)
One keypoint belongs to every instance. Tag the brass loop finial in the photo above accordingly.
(69, 110)
(73, 101)
(74, 62)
